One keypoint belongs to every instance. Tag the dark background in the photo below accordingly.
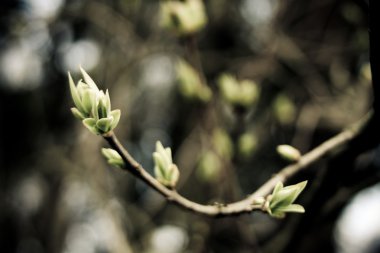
(57, 194)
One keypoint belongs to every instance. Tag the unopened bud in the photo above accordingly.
(165, 170)
(113, 157)
(288, 153)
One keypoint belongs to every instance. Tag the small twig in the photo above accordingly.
(246, 205)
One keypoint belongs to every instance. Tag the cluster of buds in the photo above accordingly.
(190, 83)
(282, 198)
(183, 17)
(243, 93)
(165, 170)
(93, 106)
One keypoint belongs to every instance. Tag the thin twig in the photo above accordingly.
(245, 205)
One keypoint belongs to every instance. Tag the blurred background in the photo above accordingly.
(308, 62)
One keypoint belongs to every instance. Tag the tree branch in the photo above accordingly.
(245, 205)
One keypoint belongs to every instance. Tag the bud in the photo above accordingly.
(247, 144)
(365, 72)
(288, 153)
(183, 17)
(165, 170)
(92, 105)
(222, 143)
(209, 167)
(190, 83)
(113, 157)
(284, 109)
(238, 93)
(282, 199)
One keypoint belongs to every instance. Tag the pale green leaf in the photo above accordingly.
(116, 118)
(75, 94)
(77, 113)
(89, 80)
(88, 98)
(90, 123)
(294, 208)
(104, 124)
(110, 153)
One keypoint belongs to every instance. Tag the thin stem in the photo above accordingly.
(246, 205)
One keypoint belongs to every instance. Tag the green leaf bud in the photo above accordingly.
(209, 167)
(284, 109)
(190, 83)
(75, 94)
(89, 80)
(93, 106)
(115, 114)
(365, 72)
(77, 113)
(90, 124)
(166, 172)
(113, 157)
(88, 100)
(288, 153)
(222, 143)
(183, 17)
(282, 198)
(238, 93)
(104, 125)
(247, 144)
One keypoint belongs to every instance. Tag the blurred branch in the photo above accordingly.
(247, 205)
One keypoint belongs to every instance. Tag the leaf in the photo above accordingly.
(90, 123)
(110, 153)
(89, 80)
(108, 101)
(173, 175)
(113, 157)
(278, 215)
(116, 117)
(116, 162)
(278, 188)
(75, 94)
(297, 188)
(102, 109)
(160, 148)
(77, 113)
(159, 162)
(168, 155)
(104, 124)
(88, 98)
(165, 154)
(294, 208)
(286, 195)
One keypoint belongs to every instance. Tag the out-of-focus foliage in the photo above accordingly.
(183, 17)
(307, 59)
(190, 84)
(244, 93)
